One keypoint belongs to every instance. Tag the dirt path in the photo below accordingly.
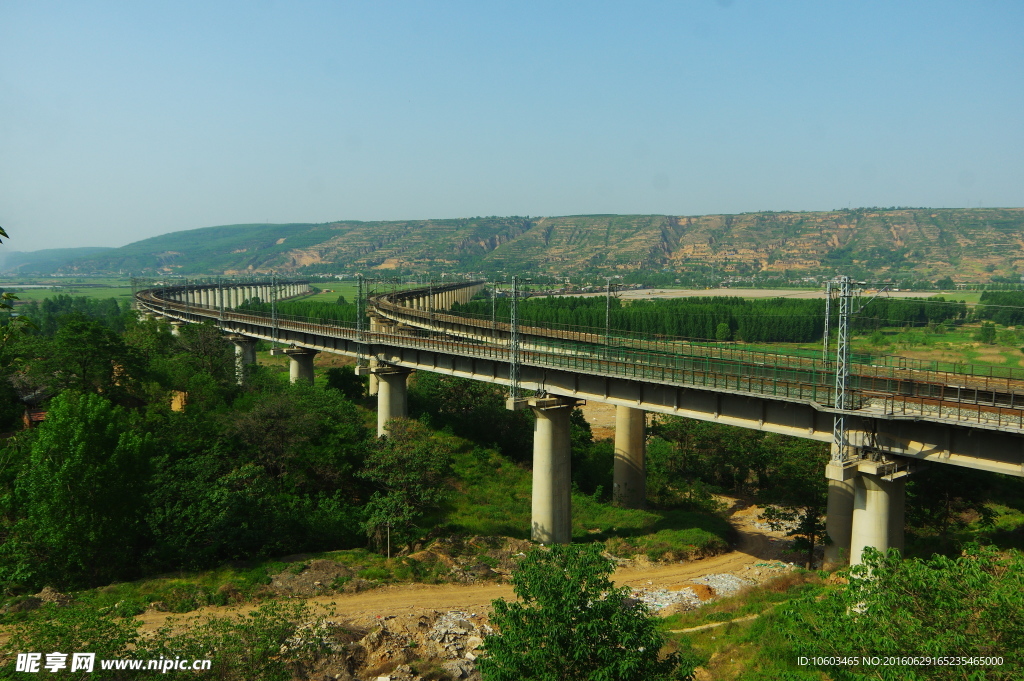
(755, 546)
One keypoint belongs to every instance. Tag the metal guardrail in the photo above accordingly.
(889, 390)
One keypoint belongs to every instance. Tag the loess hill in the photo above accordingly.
(966, 244)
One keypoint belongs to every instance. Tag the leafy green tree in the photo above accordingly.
(474, 410)
(573, 623)
(81, 494)
(344, 379)
(723, 332)
(410, 468)
(83, 356)
(942, 500)
(796, 486)
(310, 437)
(971, 605)
(987, 333)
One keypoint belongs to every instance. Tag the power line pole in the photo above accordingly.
(513, 346)
(842, 395)
(828, 320)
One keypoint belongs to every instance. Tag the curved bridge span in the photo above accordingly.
(899, 415)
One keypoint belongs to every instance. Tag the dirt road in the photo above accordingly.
(755, 546)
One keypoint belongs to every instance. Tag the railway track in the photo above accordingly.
(890, 390)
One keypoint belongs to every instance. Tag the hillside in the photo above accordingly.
(45, 260)
(966, 244)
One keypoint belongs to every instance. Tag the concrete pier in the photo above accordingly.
(629, 477)
(245, 354)
(176, 327)
(301, 366)
(838, 523)
(872, 523)
(392, 395)
(552, 482)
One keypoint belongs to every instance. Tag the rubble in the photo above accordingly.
(724, 584)
(659, 599)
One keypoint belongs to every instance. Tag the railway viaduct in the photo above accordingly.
(896, 415)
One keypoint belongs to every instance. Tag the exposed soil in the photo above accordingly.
(365, 608)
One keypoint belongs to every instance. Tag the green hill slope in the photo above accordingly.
(966, 244)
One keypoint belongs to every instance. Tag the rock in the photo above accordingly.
(313, 580)
(457, 669)
(724, 584)
(51, 595)
(356, 585)
(23, 604)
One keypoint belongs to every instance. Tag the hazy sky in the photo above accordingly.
(123, 120)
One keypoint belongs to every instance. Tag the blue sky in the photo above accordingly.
(120, 121)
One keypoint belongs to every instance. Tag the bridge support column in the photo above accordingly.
(838, 522)
(552, 482)
(897, 510)
(871, 504)
(392, 395)
(245, 354)
(176, 327)
(301, 366)
(878, 507)
(629, 478)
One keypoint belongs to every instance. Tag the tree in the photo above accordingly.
(409, 467)
(987, 333)
(344, 379)
(572, 623)
(82, 495)
(968, 606)
(723, 332)
(796, 483)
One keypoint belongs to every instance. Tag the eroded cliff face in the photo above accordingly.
(967, 244)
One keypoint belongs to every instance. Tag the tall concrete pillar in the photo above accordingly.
(301, 366)
(897, 510)
(552, 482)
(839, 522)
(245, 354)
(872, 501)
(392, 396)
(629, 477)
(176, 327)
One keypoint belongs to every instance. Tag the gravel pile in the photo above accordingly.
(658, 599)
(457, 635)
(724, 584)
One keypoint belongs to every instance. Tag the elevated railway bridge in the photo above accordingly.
(896, 414)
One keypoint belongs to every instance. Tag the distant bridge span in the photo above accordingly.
(900, 414)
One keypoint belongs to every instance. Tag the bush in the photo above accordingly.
(573, 623)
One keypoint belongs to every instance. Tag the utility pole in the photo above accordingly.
(273, 306)
(513, 364)
(828, 319)
(607, 309)
(360, 348)
(494, 308)
(842, 396)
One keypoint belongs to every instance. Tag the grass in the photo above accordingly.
(39, 294)
(494, 499)
(747, 650)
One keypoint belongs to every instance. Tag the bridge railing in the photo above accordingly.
(901, 374)
(887, 389)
